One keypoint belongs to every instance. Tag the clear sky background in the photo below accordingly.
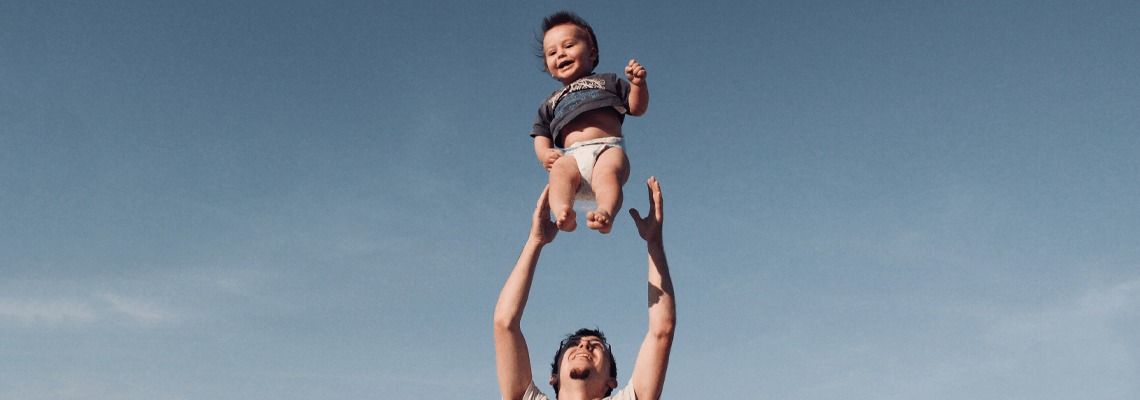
(299, 200)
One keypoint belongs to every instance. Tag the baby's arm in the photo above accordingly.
(638, 91)
(544, 149)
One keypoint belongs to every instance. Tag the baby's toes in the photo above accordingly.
(592, 220)
(566, 222)
(606, 224)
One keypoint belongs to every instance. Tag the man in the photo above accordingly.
(584, 367)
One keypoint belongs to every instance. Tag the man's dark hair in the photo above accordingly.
(565, 17)
(571, 341)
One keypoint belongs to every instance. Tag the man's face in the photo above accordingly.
(589, 358)
(567, 52)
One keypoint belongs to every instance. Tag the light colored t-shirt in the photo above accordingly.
(626, 393)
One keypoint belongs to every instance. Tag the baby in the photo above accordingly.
(577, 134)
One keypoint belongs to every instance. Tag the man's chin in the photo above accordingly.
(579, 373)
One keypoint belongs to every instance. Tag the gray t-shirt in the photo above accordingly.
(587, 93)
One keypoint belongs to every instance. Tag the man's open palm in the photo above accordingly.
(650, 227)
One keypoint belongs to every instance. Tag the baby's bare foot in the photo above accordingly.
(566, 219)
(599, 220)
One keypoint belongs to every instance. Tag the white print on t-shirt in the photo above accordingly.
(581, 84)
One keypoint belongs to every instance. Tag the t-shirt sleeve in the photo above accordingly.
(532, 393)
(623, 88)
(542, 122)
(625, 393)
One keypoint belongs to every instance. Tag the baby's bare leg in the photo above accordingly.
(610, 173)
(564, 181)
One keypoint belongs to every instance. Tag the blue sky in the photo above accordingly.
(294, 200)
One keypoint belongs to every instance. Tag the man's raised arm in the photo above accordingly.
(511, 356)
(653, 358)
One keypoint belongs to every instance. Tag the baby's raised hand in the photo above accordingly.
(550, 157)
(635, 73)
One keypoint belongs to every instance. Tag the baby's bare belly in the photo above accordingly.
(593, 124)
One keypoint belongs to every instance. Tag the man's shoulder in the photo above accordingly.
(625, 393)
(532, 393)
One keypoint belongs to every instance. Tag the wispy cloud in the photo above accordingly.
(50, 310)
(1092, 316)
(82, 311)
(1081, 347)
(1120, 301)
(1075, 348)
(136, 309)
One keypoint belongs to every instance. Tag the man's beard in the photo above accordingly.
(579, 373)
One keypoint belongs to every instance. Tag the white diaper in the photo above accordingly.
(586, 154)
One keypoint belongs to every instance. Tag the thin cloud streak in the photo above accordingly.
(47, 311)
(71, 311)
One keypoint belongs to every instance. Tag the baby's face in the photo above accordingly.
(567, 52)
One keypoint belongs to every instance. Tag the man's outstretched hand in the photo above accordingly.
(542, 229)
(650, 227)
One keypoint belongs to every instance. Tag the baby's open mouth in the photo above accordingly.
(564, 64)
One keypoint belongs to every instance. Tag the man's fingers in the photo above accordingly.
(652, 198)
(543, 205)
(658, 200)
(655, 200)
(549, 229)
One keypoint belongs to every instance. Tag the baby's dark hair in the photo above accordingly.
(560, 18)
(571, 341)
